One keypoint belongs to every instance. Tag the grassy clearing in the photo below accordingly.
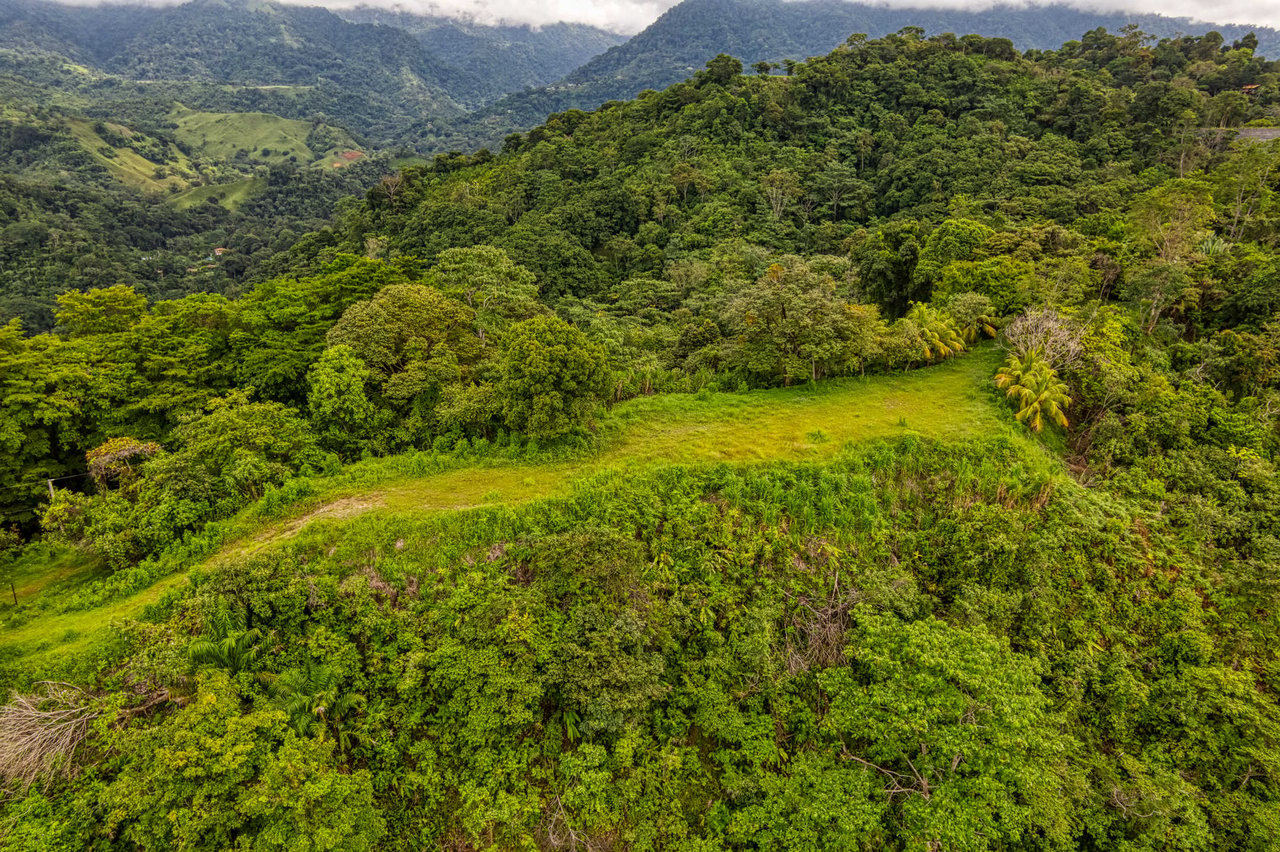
(229, 195)
(45, 642)
(946, 401)
(124, 164)
(40, 571)
(222, 134)
(949, 401)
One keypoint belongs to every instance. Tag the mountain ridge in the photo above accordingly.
(531, 56)
(686, 36)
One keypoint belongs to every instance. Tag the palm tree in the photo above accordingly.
(973, 314)
(1016, 368)
(978, 326)
(229, 643)
(1036, 391)
(938, 332)
(312, 697)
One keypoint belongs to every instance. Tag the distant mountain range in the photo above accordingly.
(393, 77)
(502, 59)
(683, 39)
(378, 72)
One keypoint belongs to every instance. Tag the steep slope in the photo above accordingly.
(248, 43)
(501, 58)
(298, 62)
(685, 37)
(87, 34)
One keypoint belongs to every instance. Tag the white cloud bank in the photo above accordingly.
(622, 16)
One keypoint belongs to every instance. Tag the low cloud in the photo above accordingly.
(1259, 12)
(621, 16)
(631, 16)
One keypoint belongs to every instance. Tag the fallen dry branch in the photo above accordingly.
(40, 733)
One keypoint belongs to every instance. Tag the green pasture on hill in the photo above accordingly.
(125, 165)
(222, 134)
(229, 195)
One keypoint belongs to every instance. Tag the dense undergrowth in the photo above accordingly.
(910, 645)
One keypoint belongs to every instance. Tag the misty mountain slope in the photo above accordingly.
(259, 44)
(429, 62)
(88, 34)
(502, 59)
(682, 40)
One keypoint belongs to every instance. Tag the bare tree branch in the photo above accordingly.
(40, 733)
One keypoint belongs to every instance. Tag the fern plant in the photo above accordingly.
(313, 699)
(229, 643)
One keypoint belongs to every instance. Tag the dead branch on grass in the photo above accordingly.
(41, 732)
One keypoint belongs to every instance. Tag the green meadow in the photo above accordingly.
(953, 400)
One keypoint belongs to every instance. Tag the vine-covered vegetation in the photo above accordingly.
(1059, 637)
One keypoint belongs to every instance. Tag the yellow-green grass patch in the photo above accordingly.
(948, 401)
(126, 165)
(229, 195)
(223, 134)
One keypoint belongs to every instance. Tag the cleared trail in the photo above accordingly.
(948, 401)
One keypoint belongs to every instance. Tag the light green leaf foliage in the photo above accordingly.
(957, 731)
(343, 417)
(213, 778)
(552, 376)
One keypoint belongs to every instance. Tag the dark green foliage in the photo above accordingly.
(224, 458)
(502, 58)
(786, 32)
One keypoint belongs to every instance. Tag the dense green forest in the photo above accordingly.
(414, 541)
(110, 110)
(690, 33)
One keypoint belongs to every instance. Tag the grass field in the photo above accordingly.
(229, 195)
(949, 401)
(125, 165)
(222, 134)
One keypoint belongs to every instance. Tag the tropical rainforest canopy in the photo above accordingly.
(1057, 633)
